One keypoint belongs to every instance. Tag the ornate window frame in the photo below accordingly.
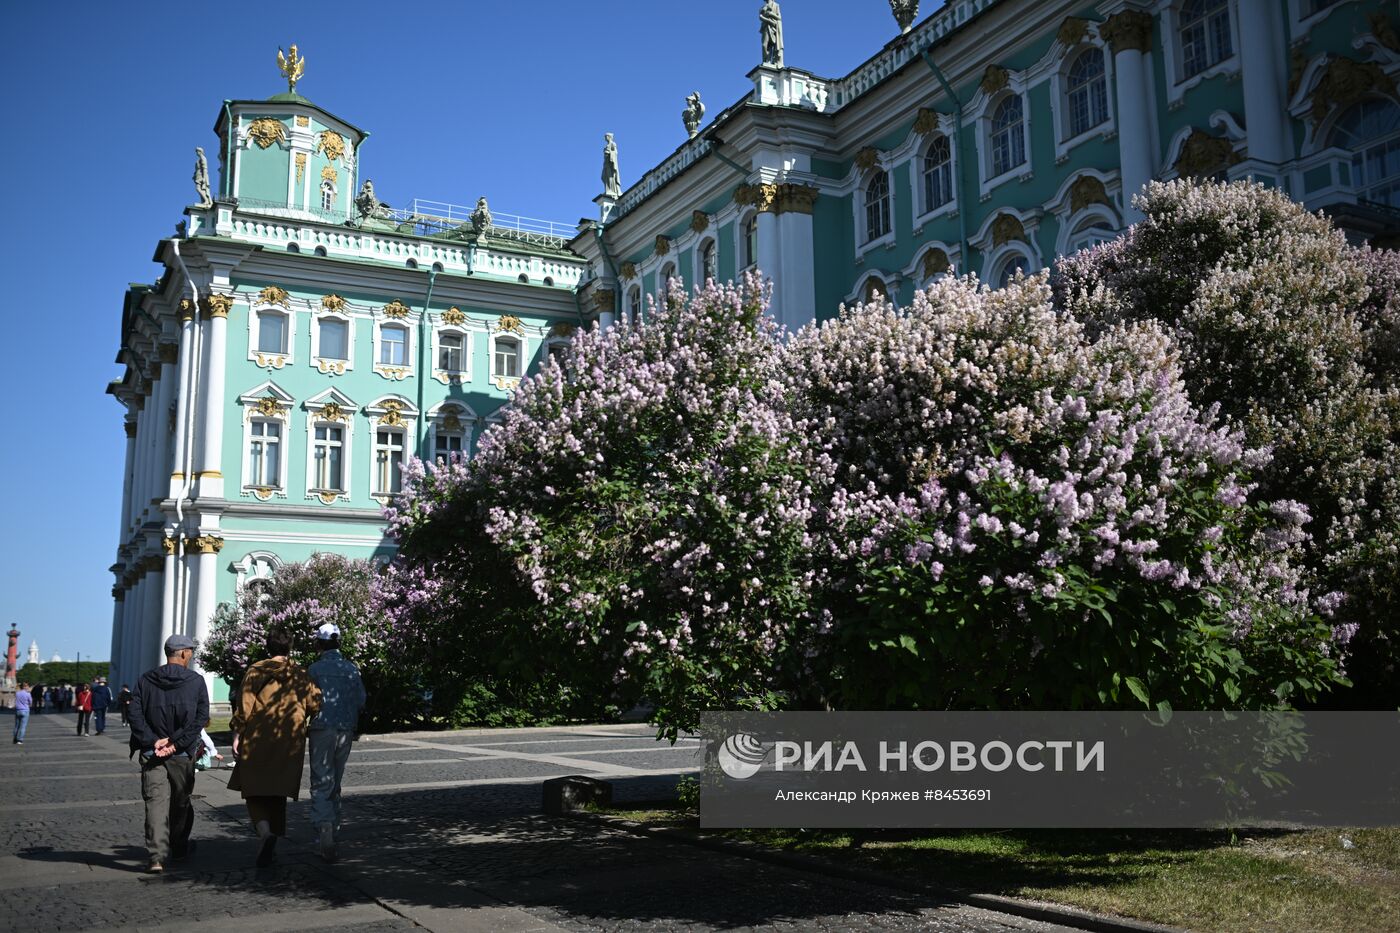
(635, 305)
(388, 370)
(328, 366)
(389, 413)
(889, 281)
(743, 262)
(858, 203)
(1177, 83)
(457, 326)
(915, 271)
(697, 260)
(923, 211)
(523, 350)
(441, 421)
(247, 568)
(1024, 170)
(267, 402)
(1059, 92)
(1067, 217)
(271, 361)
(320, 413)
(670, 269)
(994, 254)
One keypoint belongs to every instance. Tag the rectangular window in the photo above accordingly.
(450, 352)
(264, 454)
(507, 358)
(329, 466)
(335, 340)
(445, 445)
(388, 458)
(272, 332)
(393, 346)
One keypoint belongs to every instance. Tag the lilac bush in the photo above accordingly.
(1294, 335)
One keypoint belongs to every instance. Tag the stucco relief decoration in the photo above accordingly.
(1085, 191)
(333, 303)
(301, 166)
(186, 309)
(329, 367)
(265, 131)
(396, 309)
(995, 79)
(1384, 31)
(1007, 228)
(451, 419)
(867, 158)
(1203, 154)
(1072, 31)
(393, 414)
(269, 407)
(327, 497)
(275, 295)
(271, 360)
(329, 174)
(167, 545)
(759, 196)
(332, 411)
(208, 544)
(699, 221)
(303, 120)
(628, 270)
(1344, 82)
(216, 305)
(511, 323)
(926, 123)
(935, 263)
(454, 316)
(663, 245)
(332, 144)
(905, 12)
(604, 300)
(1130, 30)
(797, 199)
(563, 329)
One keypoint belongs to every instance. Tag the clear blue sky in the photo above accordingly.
(105, 102)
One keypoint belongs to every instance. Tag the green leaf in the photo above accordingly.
(1138, 688)
(908, 643)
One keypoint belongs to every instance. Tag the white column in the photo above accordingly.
(153, 652)
(114, 654)
(1129, 33)
(164, 396)
(206, 583)
(1261, 62)
(168, 621)
(797, 266)
(131, 654)
(769, 263)
(211, 417)
(129, 480)
(187, 326)
(138, 470)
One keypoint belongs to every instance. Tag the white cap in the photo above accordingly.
(327, 631)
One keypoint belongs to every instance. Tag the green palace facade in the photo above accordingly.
(304, 338)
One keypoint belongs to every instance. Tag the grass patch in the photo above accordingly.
(1201, 879)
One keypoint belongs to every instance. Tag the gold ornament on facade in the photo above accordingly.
(329, 174)
(396, 309)
(1203, 155)
(562, 329)
(265, 131)
(662, 246)
(451, 420)
(1086, 190)
(994, 80)
(628, 270)
(935, 263)
(454, 316)
(603, 300)
(186, 309)
(1384, 31)
(216, 305)
(332, 411)
(1344, 82)
(333, 302)
(327, 497)
(699, 221)
(207, 544)
(292, 66)
(396, 373)
(1130, 30)
(510, 322)
(269, 407)
(1007, 228)
(796, 199)
(274, 295)
(271, 360)
(303, 120)
(926, 123)
(331, 367)
(168, 545)
(393, 414)
(760, 196)
(867, 158)
(332, 144)
(301, 166)
(1072, 31)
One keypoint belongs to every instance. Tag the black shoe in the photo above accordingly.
(186, 853)
(267, 854)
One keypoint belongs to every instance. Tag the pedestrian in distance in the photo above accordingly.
(82, 702)
(101, 700)
(276, 703)
(169, 708)
(68, 695)
(24, 701)
(124, 704)
(332, 731)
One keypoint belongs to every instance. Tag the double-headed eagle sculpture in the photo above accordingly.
(292, 66)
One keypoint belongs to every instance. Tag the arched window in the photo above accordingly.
(750, 251)
(327, 196)
(549, 280)
(709, 270)
(1370, 130)
(411, 263)
(523, 279)
(634, 302)
(668, 272)
(1008, 136)
(1205, 35)
(319, 251)
(393, 345)
(272, 332)
(449, 433)
(506, 358)
(938, 174)
(875, 288)
(1091, 231)
(877, 206)
(1008, 268)
(437, 267)
(1088, 92)
(293, 248)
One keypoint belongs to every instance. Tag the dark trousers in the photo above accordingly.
(99, 719)
(166, 785)
(125, 720)
(272, 809)
(84, 720)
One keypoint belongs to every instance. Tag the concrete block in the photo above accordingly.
(574, 793)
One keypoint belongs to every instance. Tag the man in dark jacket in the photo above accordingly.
(169, 709)
(124, 704)
(101, 699)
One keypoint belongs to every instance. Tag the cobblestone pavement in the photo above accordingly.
(443, 832)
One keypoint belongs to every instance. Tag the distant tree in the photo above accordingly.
(58, 672)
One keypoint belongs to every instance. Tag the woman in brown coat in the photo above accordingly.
(276, 702)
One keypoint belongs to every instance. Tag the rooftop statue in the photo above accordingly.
(201, 178)
(368, 206)
(481, 217)
(612, 181)
(905, 12)
(693, 113)
(292, 67)
(770, 27)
